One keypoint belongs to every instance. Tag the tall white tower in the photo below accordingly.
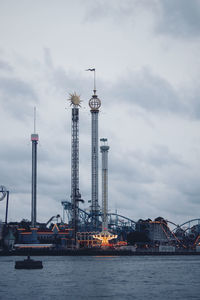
(104, 236)
(104, 150)
(94, 104)
(34, 140)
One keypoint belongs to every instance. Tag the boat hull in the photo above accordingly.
(28, 264)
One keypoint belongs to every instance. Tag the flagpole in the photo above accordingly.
(94, 81)
(93, 70)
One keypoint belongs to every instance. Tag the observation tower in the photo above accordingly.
(104, 236)
(104, 150)
(34, 140)
(75, 194)
(94, 104)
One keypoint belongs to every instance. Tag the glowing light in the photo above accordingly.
(105, 237)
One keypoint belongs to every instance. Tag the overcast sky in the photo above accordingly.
(146, 54)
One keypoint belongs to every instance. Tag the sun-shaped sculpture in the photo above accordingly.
(75, 99)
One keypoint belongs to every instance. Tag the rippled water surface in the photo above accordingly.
(65, 277)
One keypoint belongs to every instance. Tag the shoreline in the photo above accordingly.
(92, 252)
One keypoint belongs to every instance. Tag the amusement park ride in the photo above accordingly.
(101, 225)
(93, 220)
(104, 236)
(107, 226)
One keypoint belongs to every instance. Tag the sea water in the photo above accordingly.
(88, 277)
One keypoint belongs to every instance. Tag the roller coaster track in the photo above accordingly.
(187, 222)
(119, 221)
(114, 218)
(171, 232)
(190, 221)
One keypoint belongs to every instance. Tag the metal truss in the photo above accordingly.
(116, 223)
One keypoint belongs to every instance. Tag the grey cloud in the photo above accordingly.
(152, 182)
(52, 182)
(4, 66)
(148, 91)
(143, 167)
(153, 94)
(116, 10)
(179, 18)
(135, 171)
(15, 171)
(125, 192)
(48, 58)
(13, 151)
(185, 179)
(190, 96)
(15, 174)
(16, 87)
(177, 175)
(64, 81)
(17, 96)
(161, 156)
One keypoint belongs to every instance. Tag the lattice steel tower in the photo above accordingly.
(94, 104)
(75, 194)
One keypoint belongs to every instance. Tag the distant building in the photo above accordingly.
(9, 240)
(86, 240)
(166, 248)
(59, 235)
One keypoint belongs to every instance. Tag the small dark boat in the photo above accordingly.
(28, 264)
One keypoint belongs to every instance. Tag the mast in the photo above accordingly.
(34, 140)
(104, 150)
(104, 236)
(94, 104)
(75, 194)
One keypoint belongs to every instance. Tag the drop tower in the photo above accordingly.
(104, 236)
(94, 104)
(75, 194)
(34, 140)
(104, 150)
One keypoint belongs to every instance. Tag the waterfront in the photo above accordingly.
(87, 277)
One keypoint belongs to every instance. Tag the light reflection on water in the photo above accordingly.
(109, 277)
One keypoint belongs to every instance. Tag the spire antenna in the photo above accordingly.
(94, 81)
(34, 119)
